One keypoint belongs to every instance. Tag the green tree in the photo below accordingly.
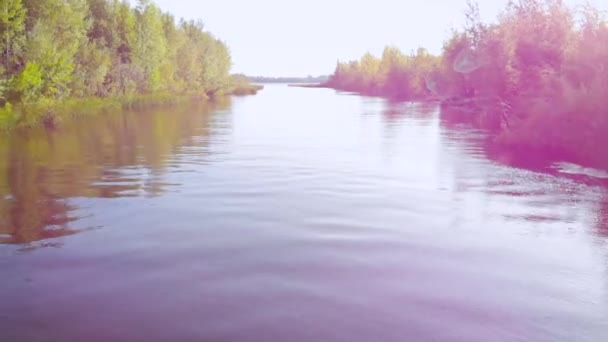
(29, 82)
(150, 46)
(12, 24)
(53, 49)
(123, 76)
(55, 38)
(215, 64)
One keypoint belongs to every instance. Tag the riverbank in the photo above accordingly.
(548, 94)
(247, 89)
(528, 132)
(538, 129)
(145, 56)
(52, 112)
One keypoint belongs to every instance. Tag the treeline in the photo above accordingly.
(58, 49)
(395, 74)
(539, 75)
(308, 79)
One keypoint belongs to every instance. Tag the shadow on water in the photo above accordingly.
(539, 160)
(545, 162)
(457, 128)
(397, 110)
(123, 154)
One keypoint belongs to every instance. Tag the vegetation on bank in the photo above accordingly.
(538, 76)
(52, 113)
(241, 86)
(54, 53)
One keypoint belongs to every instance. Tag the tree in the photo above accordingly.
(53, 49)
(150, 45)
(12, 25)
(55, 38)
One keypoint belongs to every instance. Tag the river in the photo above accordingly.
(293, 215)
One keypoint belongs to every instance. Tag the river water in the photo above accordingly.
(293, 215)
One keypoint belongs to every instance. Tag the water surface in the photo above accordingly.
(294, 215)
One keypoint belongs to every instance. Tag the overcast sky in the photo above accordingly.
(307, 37)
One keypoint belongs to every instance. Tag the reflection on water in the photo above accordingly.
(294, 215)
(602, 219)
(457, 122)
(110, 156)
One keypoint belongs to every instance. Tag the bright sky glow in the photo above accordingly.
(298, 38)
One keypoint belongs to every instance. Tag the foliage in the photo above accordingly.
(539, 76)
(241, 86)
(29, 82)
(395, 74)
(12, 26)
(57, 49)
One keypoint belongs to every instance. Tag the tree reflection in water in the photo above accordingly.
(119, 154)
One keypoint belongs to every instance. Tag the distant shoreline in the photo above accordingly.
(288, 80)
(307, 85)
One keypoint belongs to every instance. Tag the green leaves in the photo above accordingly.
(12, 39)
(395, 75)
(150, 45)
(29, 83)
(53, 49)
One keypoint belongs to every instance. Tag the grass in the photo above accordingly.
(52, 112)
(245, 89)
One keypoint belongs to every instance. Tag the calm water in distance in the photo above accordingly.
(294, 215)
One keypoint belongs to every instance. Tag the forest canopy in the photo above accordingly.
(58, 49)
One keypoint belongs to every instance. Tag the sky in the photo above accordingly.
(307, 37)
